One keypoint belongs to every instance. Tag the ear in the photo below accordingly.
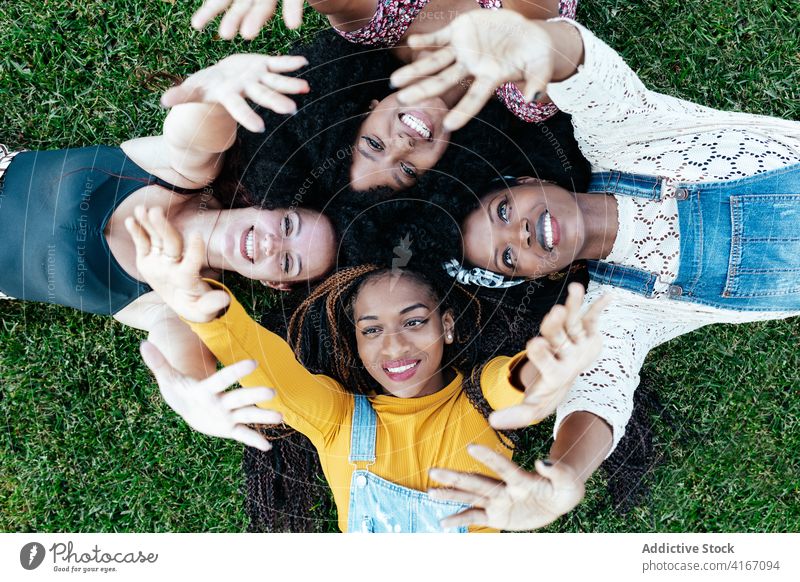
(277, 286)
(449, 325)
(373, 104)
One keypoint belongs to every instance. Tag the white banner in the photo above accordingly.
(319, 557)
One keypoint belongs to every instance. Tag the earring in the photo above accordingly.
(449, 336)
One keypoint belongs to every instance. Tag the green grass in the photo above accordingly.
(87, 443)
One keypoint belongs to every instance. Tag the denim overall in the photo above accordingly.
(739, 240)
(380, 506)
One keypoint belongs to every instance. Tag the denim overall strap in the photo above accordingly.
(623, 184)
(364, 429)
(378, 505)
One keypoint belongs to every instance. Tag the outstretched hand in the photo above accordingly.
(519, 501)
(240, 76)
(493, 48)
(172, 271)
(205, 405)
(247, 17)
(567, 344)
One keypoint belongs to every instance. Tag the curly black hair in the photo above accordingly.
(304, 159)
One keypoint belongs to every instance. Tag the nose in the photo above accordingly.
(394, 345)
(269, 245)
(403, 143)
(525, 233)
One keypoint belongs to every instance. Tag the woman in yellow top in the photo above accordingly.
(398, 406)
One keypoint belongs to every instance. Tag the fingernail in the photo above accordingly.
(547, 463)
(537, 96)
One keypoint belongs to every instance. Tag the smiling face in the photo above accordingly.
(401, 335)
(395, 145)
(279, 247)
(530, 230)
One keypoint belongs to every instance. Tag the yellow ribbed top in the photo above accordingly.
(413, 434)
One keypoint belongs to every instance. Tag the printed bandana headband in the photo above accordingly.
(478, 276)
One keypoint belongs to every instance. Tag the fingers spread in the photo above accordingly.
(257, 16)
(282, 84)
(172, 242)
(293, 13)
(479, 93)
(241, 112)
(424, 67)
(553, 328)
(229, 375)
(470, 482)
(232, 20)
(508, 470)
(518, 416)
(433, 86)
(245, 397)
(255, 415)
(140, 239)
(472, 516)
(250, 437)
(270, 99)
(455, 495)
(286, 63)
(433, 39)
(207, 12)
(181, 94)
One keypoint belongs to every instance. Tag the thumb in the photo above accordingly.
(180, 94)
(556, 472)
(437, 38)
(155, 361)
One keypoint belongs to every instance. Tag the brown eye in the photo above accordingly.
(408, 170)
(286, 263)
(508, 259)
(502, 210)
(373, 144)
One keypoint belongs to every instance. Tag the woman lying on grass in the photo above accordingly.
(63, 210)
(350, 140)
(387, 24)
(690, 218)
(399, 345)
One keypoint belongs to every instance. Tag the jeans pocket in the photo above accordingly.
(765, 246)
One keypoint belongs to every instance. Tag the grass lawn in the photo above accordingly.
(88, 445)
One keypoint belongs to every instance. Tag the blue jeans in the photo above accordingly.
(380, 506)
(739, 240)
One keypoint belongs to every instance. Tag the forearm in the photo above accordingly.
(583, 442)
(182, 348)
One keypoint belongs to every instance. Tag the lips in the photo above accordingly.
(417, 124)
(548, 231)
(247, 245)
(400, 370)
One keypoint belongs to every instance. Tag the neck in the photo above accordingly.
(600, 224)
(201, 215)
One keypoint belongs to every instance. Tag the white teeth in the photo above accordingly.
(548, 230)
(401, 369)
(416, 124)
(248, 245)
